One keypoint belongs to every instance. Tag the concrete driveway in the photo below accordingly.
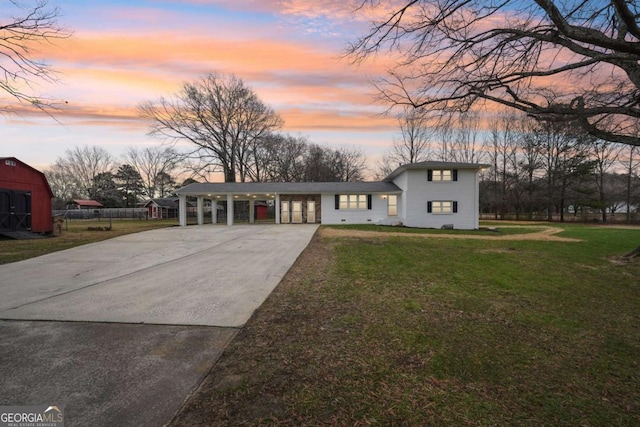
(120, 332)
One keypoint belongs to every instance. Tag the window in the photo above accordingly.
(441, 175)
(442, 207)
(353, 201)
(392, 205)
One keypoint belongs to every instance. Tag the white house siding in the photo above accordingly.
(418, 191)
(331, 215)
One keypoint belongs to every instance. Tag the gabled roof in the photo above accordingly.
(287, 188)
(42, 175)
(89, 203)
(164, 202)
(434, 165)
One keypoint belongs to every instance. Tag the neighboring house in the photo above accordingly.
(25, 198)
(84, 204)
(426, 194)
(162, 208)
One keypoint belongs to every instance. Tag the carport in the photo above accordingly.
(294, 202)
(230, 200)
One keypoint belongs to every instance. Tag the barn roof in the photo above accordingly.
(31, 168)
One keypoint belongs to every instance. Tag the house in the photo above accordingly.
(84, 204)
(162, 208)
(25, 198)
(427, 194)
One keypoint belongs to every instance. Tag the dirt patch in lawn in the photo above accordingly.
(548, 234)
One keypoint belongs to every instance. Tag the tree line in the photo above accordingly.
(91, 172)
(538, 169)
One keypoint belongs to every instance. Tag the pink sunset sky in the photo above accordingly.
(125, 52)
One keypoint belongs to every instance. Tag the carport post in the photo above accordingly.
(229, 209)
(252, 205)
(182, 210)
(277, 208)
(214, 211)
(200, 210)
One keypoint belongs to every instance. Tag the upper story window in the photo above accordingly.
(442, 206)
(442, 175)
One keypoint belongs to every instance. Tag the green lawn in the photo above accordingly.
(75, 233)
(439, 332)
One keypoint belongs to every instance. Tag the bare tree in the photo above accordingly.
(455, 53)
(280, 158)
(217, 114)
(33, 24)
(349, 164)
(151, 163)
(502, 152)
(530, 164)
(460, 138)
(564, 159)
(630, 160)
(81, 166)
(605, 156)
(415, 137)
(384, 167)
(63, 186)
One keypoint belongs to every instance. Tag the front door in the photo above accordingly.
(311, 211)
(297, 212)
(284, 213)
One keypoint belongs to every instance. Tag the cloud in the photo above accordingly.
(287, 51)
(117, 71)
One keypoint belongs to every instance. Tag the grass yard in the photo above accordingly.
(431, 331)
(77, 234)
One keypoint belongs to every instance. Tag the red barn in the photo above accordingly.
(25, 198)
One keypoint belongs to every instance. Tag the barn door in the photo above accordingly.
(21, 211)
(15, 210)
(5, 209)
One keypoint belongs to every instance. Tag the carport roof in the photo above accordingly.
(201, 189)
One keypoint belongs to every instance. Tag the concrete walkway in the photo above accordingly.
(76, 339)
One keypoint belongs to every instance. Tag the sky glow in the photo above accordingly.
(126, 52)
